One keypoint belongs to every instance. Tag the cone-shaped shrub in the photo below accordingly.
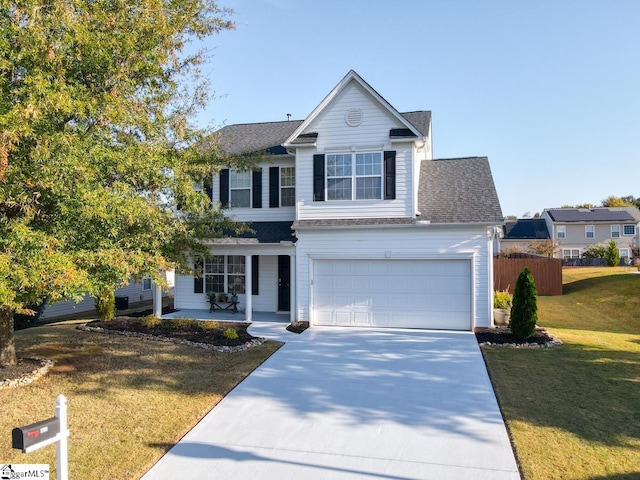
(524, 311)
(106, 304)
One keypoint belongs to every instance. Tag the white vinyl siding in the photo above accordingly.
(336, 137)
(414, 243)
(247, 214)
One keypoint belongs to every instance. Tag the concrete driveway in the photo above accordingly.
(347, 403)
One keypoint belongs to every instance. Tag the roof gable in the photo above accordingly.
(353, 78)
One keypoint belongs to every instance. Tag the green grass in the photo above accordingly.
(574, 411)
(129, 400)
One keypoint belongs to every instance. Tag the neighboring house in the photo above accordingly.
(577, 228)
(522, 234)
(354, 223)
(135, 292)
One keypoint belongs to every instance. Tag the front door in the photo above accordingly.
(284, 283)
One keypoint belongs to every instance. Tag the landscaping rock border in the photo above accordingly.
(554, 341)
(26, 379)
(178, 341)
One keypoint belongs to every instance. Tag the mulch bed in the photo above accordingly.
(298, 327)
(503, 336)
(211, 336)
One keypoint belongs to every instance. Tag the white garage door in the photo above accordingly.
(393, 293)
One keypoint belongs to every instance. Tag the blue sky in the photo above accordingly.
(548, 90)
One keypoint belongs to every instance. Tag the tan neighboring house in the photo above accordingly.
(575, 229)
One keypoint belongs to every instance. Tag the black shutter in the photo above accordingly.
(318, 178)
(224, 187)
(255, 265)
(390, 175)
(274, 187)
(198, 277)
(257, 189)
(208, 187)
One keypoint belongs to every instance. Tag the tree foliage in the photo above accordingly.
(545, 248)
(595, 251)
(97, 145)
(524, 311)
(612, 201)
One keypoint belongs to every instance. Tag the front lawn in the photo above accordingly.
(129, 399)
(574, 411)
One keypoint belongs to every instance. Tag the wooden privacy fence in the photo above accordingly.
(547, 273)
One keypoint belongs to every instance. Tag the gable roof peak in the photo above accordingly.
(351, 76)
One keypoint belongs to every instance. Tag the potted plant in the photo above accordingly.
(222, 297)
(502, 301)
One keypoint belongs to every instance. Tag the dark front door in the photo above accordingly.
(284, 283)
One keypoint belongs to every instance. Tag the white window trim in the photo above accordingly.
(232, 188)
(571, 252)
(629, 234)
(624, 252)
(615, 234)
(225, 274)
(561, 229)
(586, 231)
(354, 176)
(287, 187)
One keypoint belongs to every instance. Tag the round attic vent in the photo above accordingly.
(353, 118)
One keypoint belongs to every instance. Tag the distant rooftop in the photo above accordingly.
(598, 214)
(526, 229)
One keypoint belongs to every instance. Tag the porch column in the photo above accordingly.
(293, 311)
(247, 288)
(157, 300)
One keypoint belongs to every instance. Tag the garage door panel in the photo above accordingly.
(393, 293)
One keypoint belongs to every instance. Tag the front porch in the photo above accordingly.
(199, 314)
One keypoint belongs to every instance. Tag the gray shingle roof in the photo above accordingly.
(600, 214)
(526, 228)
(262, 232)
(255, 137)
(458, 190)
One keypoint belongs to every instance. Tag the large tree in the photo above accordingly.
(98, 147)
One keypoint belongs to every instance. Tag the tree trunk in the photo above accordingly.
(7, 345)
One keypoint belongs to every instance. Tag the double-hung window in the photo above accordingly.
(571, 253)
(629, 229)
(287, 186)
(224, 273)
(589, 231)
(561, 231)
(615, 231)
(240, 188)
(146, 283)
(354, 176)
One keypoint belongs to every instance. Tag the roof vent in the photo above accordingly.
(353, 117)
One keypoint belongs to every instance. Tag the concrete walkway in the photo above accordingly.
(340, 403)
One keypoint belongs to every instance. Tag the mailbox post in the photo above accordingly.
(45, 432)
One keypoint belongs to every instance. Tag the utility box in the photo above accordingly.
(29, 435)
(122, 303)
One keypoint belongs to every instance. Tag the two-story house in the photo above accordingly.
(354, 223)
(575, 229)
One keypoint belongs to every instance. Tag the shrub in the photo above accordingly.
(180, 323)
(502, 300)
(595, 251)
(612, 254)
(150, 321)
(206, 325)
(230, 334)
(106, 304)
(524, 312)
